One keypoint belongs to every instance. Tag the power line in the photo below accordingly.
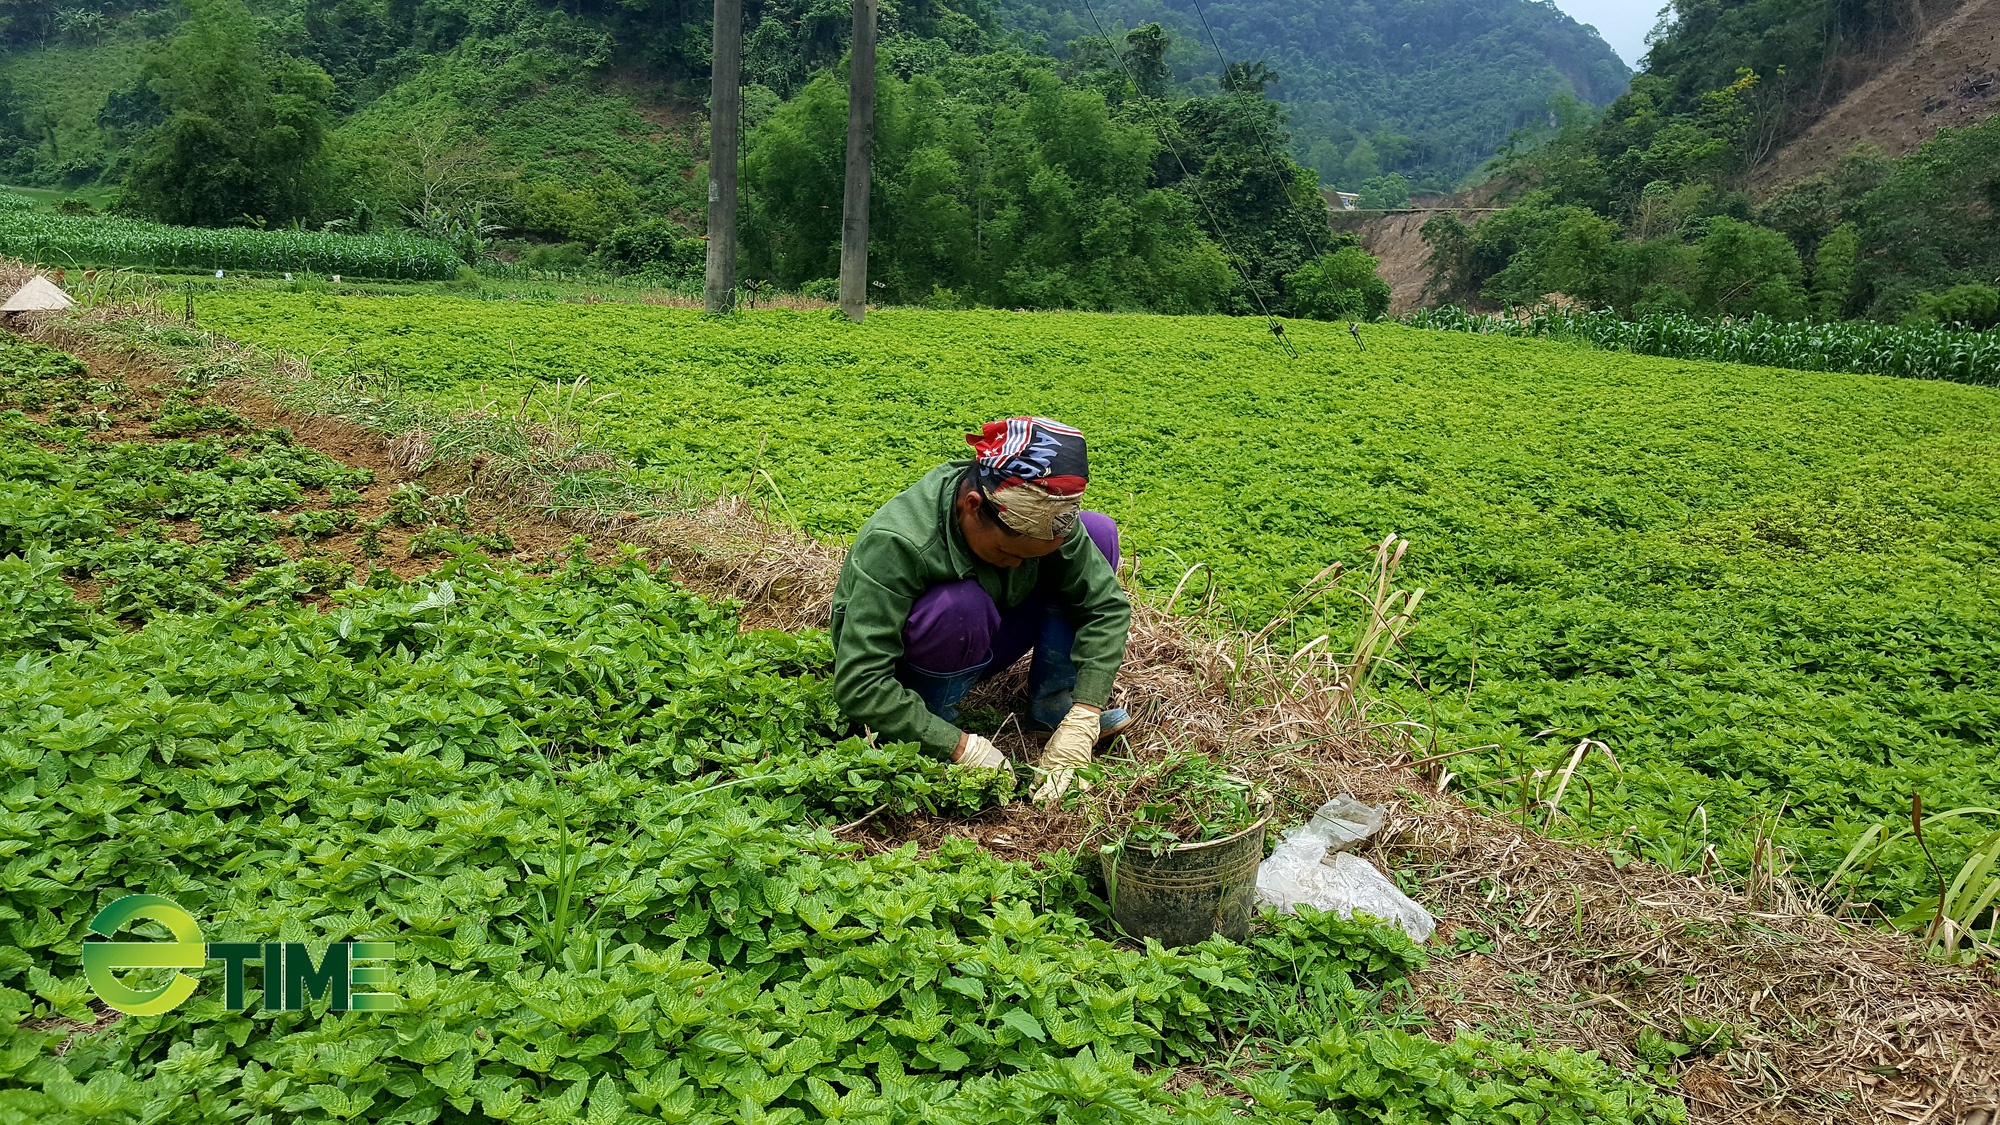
(1261, 138)
(1166, 136)
(1352, 328)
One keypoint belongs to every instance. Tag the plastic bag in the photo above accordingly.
(1347, 822)
(1310, 865)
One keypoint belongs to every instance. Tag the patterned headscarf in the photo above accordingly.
(1034, 470)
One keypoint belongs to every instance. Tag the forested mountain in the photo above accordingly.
(1427, 89)
(1424, 88)
(1647, 207)
(1808, 53)
(1025, 159)
(572, 137)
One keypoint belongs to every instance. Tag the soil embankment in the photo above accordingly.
(1949, 77)
(1396, 238)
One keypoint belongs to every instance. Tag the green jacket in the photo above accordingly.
(912, 544)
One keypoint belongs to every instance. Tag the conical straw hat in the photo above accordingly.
(38, 295)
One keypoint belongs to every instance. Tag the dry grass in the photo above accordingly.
(1797, 1017)
(1824, 1022)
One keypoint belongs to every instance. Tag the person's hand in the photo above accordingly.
(1068, 751)
(975, 752)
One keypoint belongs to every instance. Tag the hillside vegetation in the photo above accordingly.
(1423, 91)
(1003, 176)
(1766, 590)
(1938, 76)
(1371, 88)
(1646, 208)
(1137, 170)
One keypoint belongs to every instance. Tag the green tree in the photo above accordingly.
(1146, 56)
(1934, 221)
(1013, 188)
(1834, 264)
(1453, 260)
(1705, 145)
(1974, 306)
(1810, 209)
(1363, 162)
(17, 149)
(653, 245)
(1342, 285)
(1708, 41)
(1384, 192)
(1228, 156)
(244, 128)
(1654, 276)
(1248, 78)
(1581, 259)
(1746, 269)
(1508, 255)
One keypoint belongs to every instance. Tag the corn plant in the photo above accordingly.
(1955, 916)
(75, 240)
(1911, 352)
(1950, 919)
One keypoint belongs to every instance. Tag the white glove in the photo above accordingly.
(1068, 750)
(979, 753)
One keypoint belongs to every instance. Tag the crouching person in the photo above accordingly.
(976, 564)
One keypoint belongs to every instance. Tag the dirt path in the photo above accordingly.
(534, 539)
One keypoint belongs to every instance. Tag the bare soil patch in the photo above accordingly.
(537, 540)
(1950, 77)
(1396, 239)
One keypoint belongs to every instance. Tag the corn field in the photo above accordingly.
(1958, 355)
(74, 240)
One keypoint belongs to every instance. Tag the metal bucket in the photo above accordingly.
(1184, 894)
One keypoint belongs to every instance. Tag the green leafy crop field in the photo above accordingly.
(596, 820)
(1767, 591)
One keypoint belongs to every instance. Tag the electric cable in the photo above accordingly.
(1166, 137)
(1353, 329)
(1261, 138)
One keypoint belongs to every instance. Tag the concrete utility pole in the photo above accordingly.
(860, 145)
(725, 98)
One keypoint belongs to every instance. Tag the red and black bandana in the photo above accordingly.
(1031, 450)
(1034, 471)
